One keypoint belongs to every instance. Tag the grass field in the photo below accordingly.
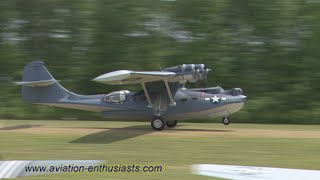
(287, 146)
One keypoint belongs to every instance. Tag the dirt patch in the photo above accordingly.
(183, 132)
(280, 133)
(19, 127)
(240, 133)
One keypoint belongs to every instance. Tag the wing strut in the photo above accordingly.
(147, 95)
(172, 103)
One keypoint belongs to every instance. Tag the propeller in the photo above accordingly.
(190, 72)
(203, 72)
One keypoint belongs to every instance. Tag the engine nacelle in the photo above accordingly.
(189, 72)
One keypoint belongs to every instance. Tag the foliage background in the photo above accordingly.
(268, 48)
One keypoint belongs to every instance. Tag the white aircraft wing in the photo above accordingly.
(133, 77)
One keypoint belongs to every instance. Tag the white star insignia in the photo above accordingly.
(215, 99)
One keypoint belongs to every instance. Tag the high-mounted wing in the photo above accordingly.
(138, 77)
(133, 77)
(182, 73)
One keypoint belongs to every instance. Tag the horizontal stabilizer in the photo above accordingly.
(37, 83)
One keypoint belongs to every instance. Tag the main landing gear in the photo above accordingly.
(171, 124)
(158, 124)
(226, 120)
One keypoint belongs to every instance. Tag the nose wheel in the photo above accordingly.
(226, 120)
(158, 124)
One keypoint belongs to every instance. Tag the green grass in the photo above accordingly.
(176, 150)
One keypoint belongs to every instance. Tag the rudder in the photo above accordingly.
(39, 86)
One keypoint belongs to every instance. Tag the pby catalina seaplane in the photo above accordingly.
(163, 99)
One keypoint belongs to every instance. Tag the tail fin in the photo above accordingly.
(39, 86)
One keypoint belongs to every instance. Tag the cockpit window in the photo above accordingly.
(236, 91)
(117, 97)
(214, 90)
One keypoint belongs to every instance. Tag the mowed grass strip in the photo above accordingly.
(287, 146)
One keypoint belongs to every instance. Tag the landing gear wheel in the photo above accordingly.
(171, 124)
(158, 124)
(226, 120)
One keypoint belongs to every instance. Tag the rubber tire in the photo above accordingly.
(226, 120)
(158, 124)
(171, 124)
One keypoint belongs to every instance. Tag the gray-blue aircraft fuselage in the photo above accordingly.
(163, 100)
